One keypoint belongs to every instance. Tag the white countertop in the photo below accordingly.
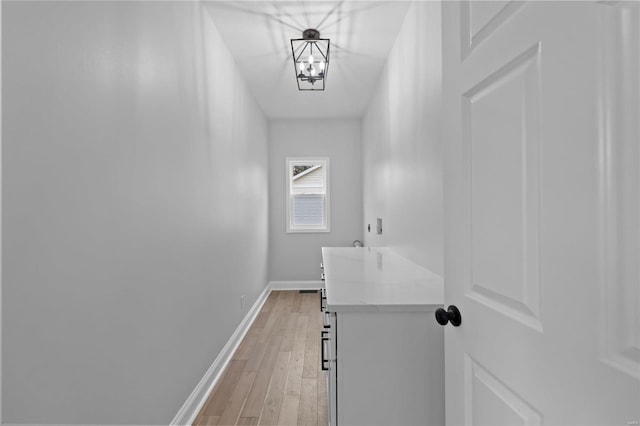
(376, 278)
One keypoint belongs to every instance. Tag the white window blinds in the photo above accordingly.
(307, 194)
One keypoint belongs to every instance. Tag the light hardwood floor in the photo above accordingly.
(274, 378)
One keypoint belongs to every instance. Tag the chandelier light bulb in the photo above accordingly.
(302, 67)
(310, 59)
(321, 66)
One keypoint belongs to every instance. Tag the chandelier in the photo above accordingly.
(311, 60)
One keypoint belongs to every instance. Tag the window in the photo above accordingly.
(307, 194)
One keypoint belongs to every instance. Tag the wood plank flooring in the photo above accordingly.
(274, 378)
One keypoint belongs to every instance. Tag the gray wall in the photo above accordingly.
(402, 146)
(297, 256)
(135, 212)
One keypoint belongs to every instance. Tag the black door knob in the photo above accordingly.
(452, 315)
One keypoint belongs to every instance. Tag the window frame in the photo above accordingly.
(290, 227)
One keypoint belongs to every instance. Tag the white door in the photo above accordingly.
(542, 206)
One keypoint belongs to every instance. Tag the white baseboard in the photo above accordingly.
(296, 285)
(192, 406)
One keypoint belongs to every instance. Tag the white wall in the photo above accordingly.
(297, 256)
(134, 208)
(402, 146)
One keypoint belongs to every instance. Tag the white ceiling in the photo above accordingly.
(258, 35)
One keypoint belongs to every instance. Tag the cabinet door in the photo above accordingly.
(331, 375)
(390, 369)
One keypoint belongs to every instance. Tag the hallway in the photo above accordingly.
(148, 154)
(274, 378)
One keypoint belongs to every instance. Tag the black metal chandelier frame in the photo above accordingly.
(307, 75)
